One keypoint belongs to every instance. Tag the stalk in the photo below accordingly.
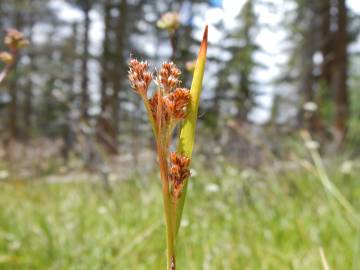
(170, 243)
(169, 226)
(162, 144)
(170, 105)
(168, 209)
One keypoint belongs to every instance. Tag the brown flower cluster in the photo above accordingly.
(174, 100)
(166, 108)
(177, 101)
(139, 76)
(169, 101)
(168, 76)
(6, 57)
(14, 39)
(174, 105)
(179, 172)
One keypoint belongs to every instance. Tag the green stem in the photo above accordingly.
(169, 213)
(169, 230)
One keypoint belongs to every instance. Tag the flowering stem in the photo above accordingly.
(167, 107)
(168, 209)
(169, 222)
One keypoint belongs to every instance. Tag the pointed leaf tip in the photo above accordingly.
(204, 42)
(205, 36)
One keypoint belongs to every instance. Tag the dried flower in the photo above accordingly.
(168, 76)
(179, 172)
(6, 57)
(14, 39)
(166, 107)
(177, 103)
(139, 76)
(168, 102)
(154, 106)
(173, 105)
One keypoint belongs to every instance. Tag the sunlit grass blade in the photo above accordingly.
(187, 132)
(329, 186)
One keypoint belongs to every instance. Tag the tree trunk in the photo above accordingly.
(105, 59)
(340, 75)
(13, 85)
(13, 128)
(28, 109)
(85, 59)
(119, 64)
(326, 40)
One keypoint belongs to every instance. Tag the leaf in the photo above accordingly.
(187, 132)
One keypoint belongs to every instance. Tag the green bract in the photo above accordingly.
(187, 132)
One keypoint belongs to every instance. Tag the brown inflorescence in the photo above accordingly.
(178, 173)
(168, 76)
(14, 39)
(139, 76)
(167, 106)
(173, 100)
(177, 102)
(173, 105)
(154, 106)
(6, 57)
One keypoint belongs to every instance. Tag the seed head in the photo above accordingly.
(168, 76)
(139, 76)
(6, 57)
(14, 39)
(154, 106)
(177, 102)
(178, 172)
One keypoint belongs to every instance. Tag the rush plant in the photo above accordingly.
(14, 41)
(169, 106)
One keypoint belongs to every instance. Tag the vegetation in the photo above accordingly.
(169, 106)
(233, 220)
(276, 160)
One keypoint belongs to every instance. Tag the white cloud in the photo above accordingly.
(65, 11)
(354, 5)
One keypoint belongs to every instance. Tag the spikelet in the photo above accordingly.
(179, 172)
(139, 76)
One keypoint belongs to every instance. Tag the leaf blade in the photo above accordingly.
(187, 132)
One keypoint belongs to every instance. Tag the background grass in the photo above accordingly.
(233, 220)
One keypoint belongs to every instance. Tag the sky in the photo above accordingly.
(271, 39)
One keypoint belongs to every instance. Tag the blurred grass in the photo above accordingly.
(232, 220)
